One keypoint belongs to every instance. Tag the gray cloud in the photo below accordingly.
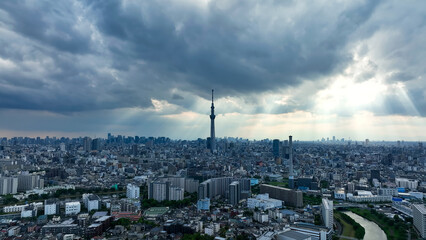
(72, 56)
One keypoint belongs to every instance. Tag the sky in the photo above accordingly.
(311, 69)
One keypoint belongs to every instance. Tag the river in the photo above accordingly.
(372, 230)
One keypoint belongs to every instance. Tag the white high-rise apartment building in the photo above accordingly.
(407, 183)
(133, 191)
(176, 194)
(327, 212)
(419, 218)
(8, 185)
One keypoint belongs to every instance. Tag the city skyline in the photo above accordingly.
(311, 70)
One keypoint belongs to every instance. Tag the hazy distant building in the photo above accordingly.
(276, 148)
(96, 144)
(8, 185)
(87, 144)
(419, 218)
(135, 150)
(290, 197)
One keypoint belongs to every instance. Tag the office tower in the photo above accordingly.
(212, 131)
(96, 144)
(290, 165)
(285, 150)
(419, 219)
(133, 191)
(276, 148)
(327, 212)
(29, 181)
(8, 185)
(135, 150)
(234, 193)
(87, 144)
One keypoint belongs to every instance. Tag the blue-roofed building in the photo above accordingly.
(254, 181)
(203, 204)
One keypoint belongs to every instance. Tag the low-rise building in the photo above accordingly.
(263, 202)
(72, 208)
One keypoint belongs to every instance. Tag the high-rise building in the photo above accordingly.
(8, 185)
(276, 147)
(96, 144)
(290, 164)
(135, 150)
(234, 193)
(176, 194)
(327, 212)
(419, 218)
(29, 181)
(62, 147)
(133, 191)
(212, 130)
(87, 144)
(406, 183)
(158, 190)
(285, 150)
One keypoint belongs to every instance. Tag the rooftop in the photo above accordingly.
(156, 211)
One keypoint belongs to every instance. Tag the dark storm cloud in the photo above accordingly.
(70, 56)
(229, 48)
(47, 23)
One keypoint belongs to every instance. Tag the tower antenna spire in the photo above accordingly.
(212, 132)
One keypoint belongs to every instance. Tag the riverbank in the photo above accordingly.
(395, 229)
(348, 225)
